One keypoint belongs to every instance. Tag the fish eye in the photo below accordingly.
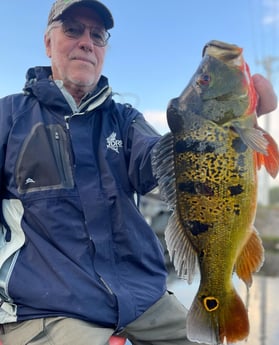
(204, 80)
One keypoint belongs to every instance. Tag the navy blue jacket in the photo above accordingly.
(72, 241)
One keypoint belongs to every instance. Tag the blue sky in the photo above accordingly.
(155, 46)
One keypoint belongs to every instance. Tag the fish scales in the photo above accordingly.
(207, 172)
(215, 184)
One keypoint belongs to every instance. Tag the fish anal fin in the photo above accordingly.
(228, 322)
(250, 259)
(180, 249)
(270, 160)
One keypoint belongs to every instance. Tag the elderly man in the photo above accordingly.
(78, 262)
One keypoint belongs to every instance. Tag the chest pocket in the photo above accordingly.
(44, 160)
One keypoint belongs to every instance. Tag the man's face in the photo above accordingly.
(76, 61)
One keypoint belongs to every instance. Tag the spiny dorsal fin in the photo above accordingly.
(163, 168)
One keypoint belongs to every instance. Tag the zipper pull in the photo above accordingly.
(67, 119)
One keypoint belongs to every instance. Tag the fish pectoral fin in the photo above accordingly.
(181, 251)
(252, 137)
(270, 160)
(262, 143)
(228, 322)
(250, 259)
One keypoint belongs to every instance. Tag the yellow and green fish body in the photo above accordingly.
(216, 206)
(207, 172)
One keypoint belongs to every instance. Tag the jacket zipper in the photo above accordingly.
(81, 111)
(97, 100)
(59, 158)
(59, 152)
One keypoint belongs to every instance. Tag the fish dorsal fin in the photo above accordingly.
(163, 168)
(180, 249)
(250, 259)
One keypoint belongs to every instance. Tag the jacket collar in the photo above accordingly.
(40, 84)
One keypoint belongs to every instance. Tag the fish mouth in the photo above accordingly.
(230, 54)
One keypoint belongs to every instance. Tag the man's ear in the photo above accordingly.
(47, 45)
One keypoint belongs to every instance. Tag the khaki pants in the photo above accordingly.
(162, 324)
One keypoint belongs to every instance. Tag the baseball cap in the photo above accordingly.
(60, 6)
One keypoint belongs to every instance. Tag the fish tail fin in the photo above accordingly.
(213, 321)
(201, 326)
(270, 160)
(234, 322)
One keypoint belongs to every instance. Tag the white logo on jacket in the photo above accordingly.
(29, 180)
(113, 143)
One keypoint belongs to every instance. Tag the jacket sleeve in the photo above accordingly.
(141, 139)
(5, 126)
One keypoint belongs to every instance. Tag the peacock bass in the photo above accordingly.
(207, 172)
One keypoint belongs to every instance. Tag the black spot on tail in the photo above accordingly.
(210, 303)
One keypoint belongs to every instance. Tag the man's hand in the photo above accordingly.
(267, 98)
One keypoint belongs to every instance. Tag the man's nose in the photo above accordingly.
(85, 41)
